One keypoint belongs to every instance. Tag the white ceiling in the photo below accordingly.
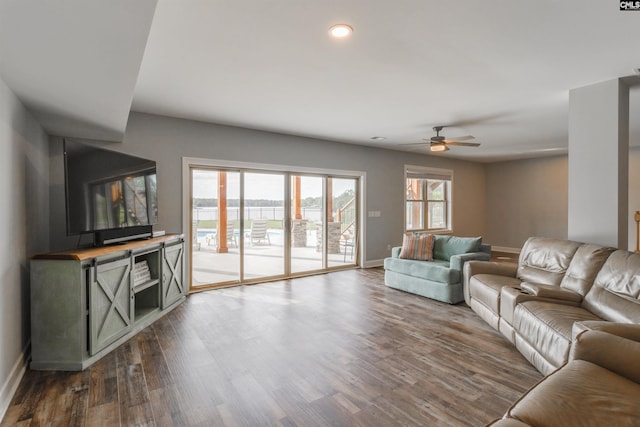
(500, 70)
(74, 63)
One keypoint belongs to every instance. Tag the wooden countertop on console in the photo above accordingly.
(88, 253)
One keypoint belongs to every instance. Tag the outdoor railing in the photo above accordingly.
(347, 216)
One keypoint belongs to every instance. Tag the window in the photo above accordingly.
(427, 199)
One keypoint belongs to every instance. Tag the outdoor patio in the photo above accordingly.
(262, 259)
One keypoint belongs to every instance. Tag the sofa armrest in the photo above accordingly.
(395, 251)
(457, 261)
(625, 330)
(485, 247)
(472, 268)
(550, 291)
(507, 422)
(490, 267)
(612, 352)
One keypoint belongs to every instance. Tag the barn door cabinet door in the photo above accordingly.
(173, 287)
(110, 303)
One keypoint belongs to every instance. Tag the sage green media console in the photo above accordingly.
(85, 303)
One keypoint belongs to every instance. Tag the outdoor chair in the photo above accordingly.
(194, 233)
(231, 235)
(348, 244)
(259, 232)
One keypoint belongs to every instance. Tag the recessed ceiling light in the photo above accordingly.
(340, 30)
(378, 138)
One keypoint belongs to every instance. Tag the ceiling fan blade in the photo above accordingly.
(461, 138)
(416, 143)
(463, 144)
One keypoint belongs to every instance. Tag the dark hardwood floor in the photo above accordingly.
(339, 349)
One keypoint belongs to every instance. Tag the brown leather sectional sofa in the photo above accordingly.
(599, 386)
(559, 294)
(556, 283)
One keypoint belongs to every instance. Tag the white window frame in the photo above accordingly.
(427, 173)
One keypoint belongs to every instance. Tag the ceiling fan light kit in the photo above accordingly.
(439, 143)
(438, 147)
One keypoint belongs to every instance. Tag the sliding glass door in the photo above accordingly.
(264, 219)
(342, 222)
(249, 226)
(307, 207)
(215, 231)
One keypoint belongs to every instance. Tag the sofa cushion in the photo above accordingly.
(547, 327)
(584, 266)
(580, 394)
(545, 260)
(444, 247)
(417, 246)
(436, 270)
(615, 294)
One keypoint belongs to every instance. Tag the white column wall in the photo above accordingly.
(598, 163)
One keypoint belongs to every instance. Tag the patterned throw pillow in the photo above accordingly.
(418, 247)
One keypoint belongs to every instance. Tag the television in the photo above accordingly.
(109, 194)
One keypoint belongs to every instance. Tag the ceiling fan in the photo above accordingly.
(439, 143)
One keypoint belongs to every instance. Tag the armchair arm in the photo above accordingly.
(395, 251)
(550, 291)
(617, 354)
(457, 261)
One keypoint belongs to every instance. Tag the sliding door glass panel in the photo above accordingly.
(215, 219)
(306, 223)
(342, 221)
(264, 215)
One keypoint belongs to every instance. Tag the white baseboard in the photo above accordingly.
(374, 263)
(13, 381)
(505, 249)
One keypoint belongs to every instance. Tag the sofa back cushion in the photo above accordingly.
(615, 294)
(544, 260)
(584, 266)
(444, 247)
(417, 246)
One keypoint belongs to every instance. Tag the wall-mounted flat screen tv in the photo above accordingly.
(108, 193)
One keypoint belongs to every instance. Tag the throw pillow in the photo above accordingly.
(447, 246)
(419, 247)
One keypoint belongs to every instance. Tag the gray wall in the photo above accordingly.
(530, 197)
(526, 198)
(24, 229)
(167, 140)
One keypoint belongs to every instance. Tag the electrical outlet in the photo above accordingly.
(388, 247)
